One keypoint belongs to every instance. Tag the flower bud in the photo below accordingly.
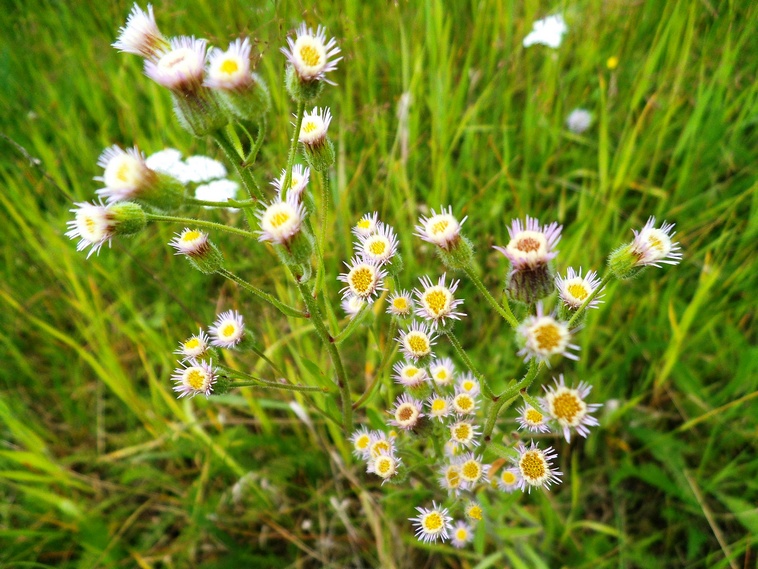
(305, 92)
(199, 250)
(530, 285)
(624, 263)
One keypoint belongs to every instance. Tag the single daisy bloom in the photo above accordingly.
(203, 169)
(653, 245)
(567, 406)
(472, 470)
(380, 246)
(140, 35)
(190, 242)
(463, 402)
(311, 55)
(450, 478)
(407, 412)
(432, 524)
(532, 419)
(439, 406)
(281, 221)
(93, 224)
(579, 121)
(352, 305)
(535, 467)
(508, 479)
(385, 466)
(400, 304)
(363, 278)
(469, 384)
(193, 347)
(361, 440)
(230, 70)
(542, 336)
(227, 330)
(181, 66)
(380, 444)
(409, 375)
(366, 225)
(441, 229)
(531, 245)
(548, 31)
(125, 173)
(301, 175)
(474, 512)
(442, 371)
(436, 301)
(315, 126)
(461, 534)
(417, 341)
(464, 433)
(195, 377)
(574, 289)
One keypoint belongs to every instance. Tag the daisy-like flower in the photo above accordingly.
(450, 477)
(535, 467)
(407, 412)
(409, 375)
(352, 305)
(436, 301)
(464, 433)
(140, 35)
(380, 444)
(281, 221)
(181, 66)
(439, 406)
(461, 534)
(203, 169)
(227, 330)
(531, 246)
(230, 70)
(543, 336)
(463, 403)
(579, 121)
(311, 55)
(442, 371)
(472, 470)
(508, 479)
(366, 225)
(194, 346)
(474, 512)
(548, 31)
(93, 224)
(190, 242)
(384, 465)
(195, 377)
(532, 419)
(315, 126)
(567, 406)
(361, 440)
(400, 304)
(125, 173)
(432, 523)
(653, 245)
(469, 384)
(380, 246)
(441, 229)
(417, 341)
(363, 278)
(574, 289)
(299, 181)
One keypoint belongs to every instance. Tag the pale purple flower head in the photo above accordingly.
(531, 245)
(181, 66)
(140, 35)
(194, 377)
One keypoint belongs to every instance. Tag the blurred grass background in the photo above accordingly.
(100, 466)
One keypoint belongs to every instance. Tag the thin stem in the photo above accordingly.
(199, 223)
(389, 344)
(352, 325)
(227, 203)
(608, 277)
(262, 127)
(239, 165)
(293, 145)
(469, 364)
(283, 308)
(504, 310)
(321, 269)
(251, 380)
(507, 398)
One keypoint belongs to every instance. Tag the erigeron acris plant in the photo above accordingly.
(444, 414)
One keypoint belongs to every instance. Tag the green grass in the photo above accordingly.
(100, 465)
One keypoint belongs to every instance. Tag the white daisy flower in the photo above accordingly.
(432, 523)
(653, 245)
(93, 224)
(281, 221)
(567, 406)
(363, 279)
(463, 403)
(311, 55)
(366, 225)
(579, 120)
(400, 304)
(384, 465)
(125, 174)
(535, 467)
(469, 384)
(361, 440)
(442, 371)
(436, 302)
(532, 419)
(380, 444)
(417, 341)
(227, 330)
(548, 31)
(508, 479)
(190, 242)
(543, 336)
(474, 512)
(380, 246)
(464, 434)
(218, 191)
(574, 289)
(461, 534)
(140, 35)
(298, 182)
(472, 471)
(406, 412)
(441, 229)
(314, 127)
(409, 375)
(180, 67)
(204, 169)
(168, 161)
(352, 305)
(193, 347)
(439, 406)
(195, 377)
(531, 246)
(450, 478)
(230, 70)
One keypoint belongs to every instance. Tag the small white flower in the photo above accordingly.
(311, 55)
(532, 419)
(474, 512)
(406, 412)
(548, 31)
(190, 242)
(436, 302)
(463, 402)
(380, 246)
(361, 440)
(575, 289)
(543, 336)
(439, 406)
(461, 534)
(218, 191)
(400, 304)
(535, 467)
(432, 523)
(298, 182)
(195, 377)
(567, 406)
(281, 221)
(653, 245)
(227, 330)
(363, 279)
(168, 161)
(508, 479)
(181, 66)
(531, 246)
(366, 225)
(450, 478)
(380, 444)
(464, 433)
(230, 70)
(204, 169)
(442, 371)
(140, 35)
(408, 375)
(93, 224)
(352, 305)
(469, 384)
(194, 346)
(472, 471)
(441, 229)
(579, 121)
(417, 341)
(125, 173)
(314, 127)
(385, 466)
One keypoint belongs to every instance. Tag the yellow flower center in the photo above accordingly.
(527, 244)
(548, 337)
(566, 406)
(310, 55)
(532, 465)
(436, 301)
(228, 330)
(441, 375)
(418, 344)
(464, 402)
(383, 465)
(123, 172)
(438, 405)
(471, 470)
(461, 534)
(309, 127)
(364, 224)
(362, 442)
(192, 343)
(89, 223)
(655, 242)
(404, 413)
(475, 512)
(362, 279)
(379, 448)
(377, 247)
(468, 385)
(196, 378)
(279, 218)
(578, 291)
(508, 477)
(411, 371)
(400, 304)
(533, 416)
(191, 235)
(453, 477)
(440, 226)
(229, 66)
(462, 431)
(433, 521)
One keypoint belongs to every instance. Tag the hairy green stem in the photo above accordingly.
(506, 399)
(352, 325)
(504, 310)
(227, 203)
(293, 146)
(470, 365)
(252, 381)
(189, 222)
(322, 239)
(282, 307)
(240, 165)
(389, 344)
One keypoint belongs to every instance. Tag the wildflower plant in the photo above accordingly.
(445, 411)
